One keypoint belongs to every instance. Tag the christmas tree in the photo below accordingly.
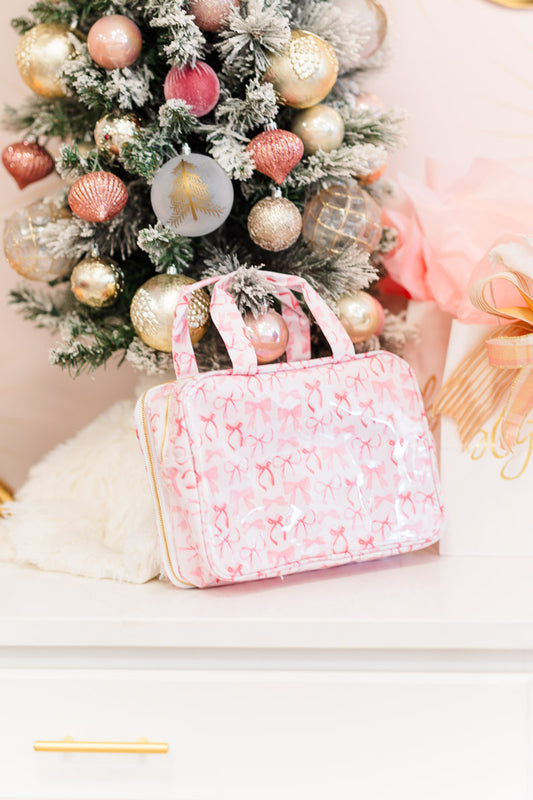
(200, 137)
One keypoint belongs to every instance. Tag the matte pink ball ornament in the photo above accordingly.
(269, 335)
(211, 15)
(198, 86)
(114, 42)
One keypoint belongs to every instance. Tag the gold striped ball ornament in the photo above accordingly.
(23, 247)
(97, 282)
(153, 307)
(274, 223)
(342, 215)
(41, 54)
(304, 72)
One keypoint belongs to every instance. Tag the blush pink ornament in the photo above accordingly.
(211, 15)
(366, 101)
(269, 335)
(98, 196)
(27, 162)
(114, 42)
(198, 86)
(275, 153)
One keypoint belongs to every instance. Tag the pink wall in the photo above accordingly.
(463, 70)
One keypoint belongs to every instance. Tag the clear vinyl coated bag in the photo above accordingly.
(263, 471)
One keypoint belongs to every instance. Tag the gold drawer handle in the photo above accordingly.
(68, 745)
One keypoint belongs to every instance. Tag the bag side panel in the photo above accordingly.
(178, 484)
(309, 466)
(150, 412)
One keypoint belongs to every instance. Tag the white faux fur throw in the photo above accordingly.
(86, 507)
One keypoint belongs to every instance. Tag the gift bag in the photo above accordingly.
(263, 471)
(487, 417)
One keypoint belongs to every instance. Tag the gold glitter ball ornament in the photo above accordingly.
(25, 252)
(97, 282)
(340, 216)
(304, 72)
(153, 307)
(320, 127)
(113, 131)
(274, 223)
(41, 54)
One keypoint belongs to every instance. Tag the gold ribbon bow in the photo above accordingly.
(499, 369)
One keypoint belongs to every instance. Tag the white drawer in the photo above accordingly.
(259, 735)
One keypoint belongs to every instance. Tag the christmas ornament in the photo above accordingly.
(269, 335)
(320, 127)
(375, 175)
(275, 153)
(304, 72)
(114, 42)
(27, 162)
(41, 54)
(373, 20)
(6, 495)
(98, 196)
(198, 86)
(97, 282)
(274, 223)
(153, 307)
(361, 315)
(192, 194)
(366, 101)
(211, 15)
(340, 216)
(22, 245)
(114, 131)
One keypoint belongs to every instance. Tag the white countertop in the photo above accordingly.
(417, 601)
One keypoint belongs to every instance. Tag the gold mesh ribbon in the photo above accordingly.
(499, 370)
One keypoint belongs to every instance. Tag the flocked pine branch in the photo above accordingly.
(40, 117)
(145, 359)
(74, 13)
(331, 275)
(44, 308)
(166, 248)
(255, 31)
(397, 332)
(182, 41)
(338, 165)
(105, 90)
(256, 109)
(228, 148)
(368, 127)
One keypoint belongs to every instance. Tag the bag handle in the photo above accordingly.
(230, 324)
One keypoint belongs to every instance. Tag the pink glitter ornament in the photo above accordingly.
(114, 42)
(275, 153)
(269, 335)
(211, 15)
(198, 86)
(98, 196)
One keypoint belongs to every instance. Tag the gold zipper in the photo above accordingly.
(156, 493)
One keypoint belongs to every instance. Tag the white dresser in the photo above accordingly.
(408, 678)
